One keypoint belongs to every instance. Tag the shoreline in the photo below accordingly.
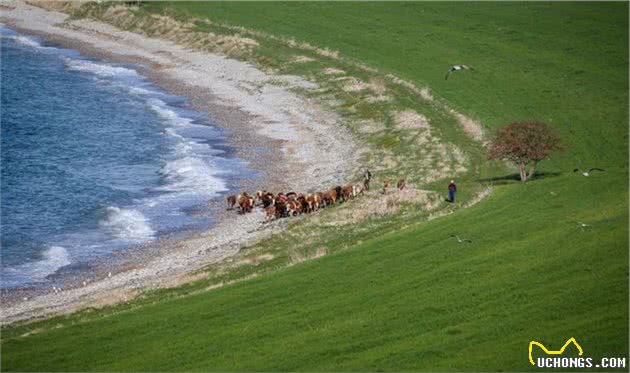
(270, 117)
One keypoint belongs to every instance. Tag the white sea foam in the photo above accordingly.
(24, 40)
(127, 224)
(141, 91)
(99, 69)
(51, 260)
(191, 175)
(167, 114)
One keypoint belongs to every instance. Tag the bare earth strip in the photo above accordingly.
(310, 148)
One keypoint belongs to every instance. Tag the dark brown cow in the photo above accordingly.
(401, 184)
(339, 193)
(281, 209)
(268, 200)
(305, 206)
(231, 201)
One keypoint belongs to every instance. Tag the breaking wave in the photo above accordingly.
(52, 259)
(99, 69)
(127, 224)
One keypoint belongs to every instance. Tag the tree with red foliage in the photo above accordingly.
(525, 144)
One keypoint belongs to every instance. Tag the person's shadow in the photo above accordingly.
(516, 178)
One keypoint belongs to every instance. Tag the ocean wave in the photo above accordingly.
(141, 91)
(26, 41)
(52, 259)
(161, 109)
(191, 175)
(127, 224)
(99, 69)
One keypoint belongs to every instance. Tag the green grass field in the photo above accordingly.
(407, 297)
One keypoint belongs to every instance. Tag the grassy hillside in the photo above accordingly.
(412, 298)
(566, 63)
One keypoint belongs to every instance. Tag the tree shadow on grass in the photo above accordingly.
(516, 178)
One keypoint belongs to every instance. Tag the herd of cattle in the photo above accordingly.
(283, 205)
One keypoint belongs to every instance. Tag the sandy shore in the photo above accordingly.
(295, 142)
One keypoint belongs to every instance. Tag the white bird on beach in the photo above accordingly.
(109, 275)
(588, 172)
(461, 240)
(457, 68)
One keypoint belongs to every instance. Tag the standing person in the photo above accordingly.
(367, 176)
(452, 188)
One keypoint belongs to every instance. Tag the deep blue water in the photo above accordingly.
(94, 159)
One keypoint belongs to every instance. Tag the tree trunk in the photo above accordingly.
(532, 169)
(521, 171)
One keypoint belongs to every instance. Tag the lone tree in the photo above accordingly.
(525, 144)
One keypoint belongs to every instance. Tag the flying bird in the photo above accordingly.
(457, 68)
(461, 240)
(588, 172)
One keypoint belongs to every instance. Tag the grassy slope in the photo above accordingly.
(413, 299)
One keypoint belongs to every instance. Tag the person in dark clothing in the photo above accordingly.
(452, 188)
(367, 176)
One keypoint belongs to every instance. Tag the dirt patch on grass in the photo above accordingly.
(301, 59)
(298, 256)
(472, 128)
(255, 260)
(410, 119)
(352, 84)
(333, 71)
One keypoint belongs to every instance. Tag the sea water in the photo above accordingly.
(95, 159)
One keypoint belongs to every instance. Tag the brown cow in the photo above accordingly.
(334, 195)
(281, 209)
(245, 202)
(313, 202)
(347, 192)
(305, 206)
(281, 197)
(259, 196)
(385, 186)
(401, 184)
(231, 201)
(268, 200)
(270, 213)
(293, 207)
(339, 193)
(331, 197)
